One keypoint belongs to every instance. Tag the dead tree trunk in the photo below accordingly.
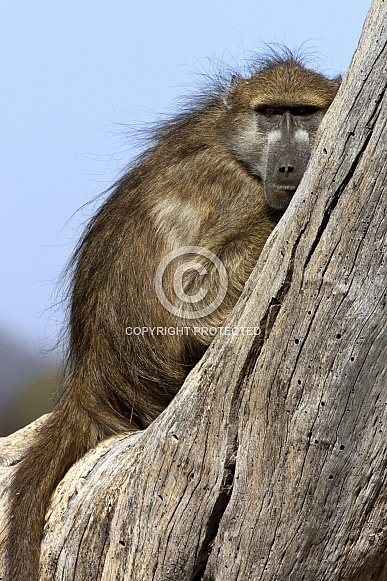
(271, 461)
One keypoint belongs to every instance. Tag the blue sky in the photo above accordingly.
(75, 74)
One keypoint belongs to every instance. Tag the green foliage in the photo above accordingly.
(36, 399)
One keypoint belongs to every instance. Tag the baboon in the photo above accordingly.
(216, 179)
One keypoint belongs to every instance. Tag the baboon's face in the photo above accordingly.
(273, 119)
(274, 142)
(290, 132)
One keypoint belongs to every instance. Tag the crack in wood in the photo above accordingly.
(215, 518)
(266, 324)
(267, 321)
(335, 198)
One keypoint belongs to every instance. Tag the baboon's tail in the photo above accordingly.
(64, 438)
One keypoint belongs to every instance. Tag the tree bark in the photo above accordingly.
(270, 463)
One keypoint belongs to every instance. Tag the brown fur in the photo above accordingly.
(192, 187)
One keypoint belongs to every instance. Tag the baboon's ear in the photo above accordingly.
(229, 90)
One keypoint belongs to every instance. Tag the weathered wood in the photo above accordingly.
(270, 463)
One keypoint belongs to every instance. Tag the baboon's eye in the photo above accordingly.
(303, 110)
(268, 111)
